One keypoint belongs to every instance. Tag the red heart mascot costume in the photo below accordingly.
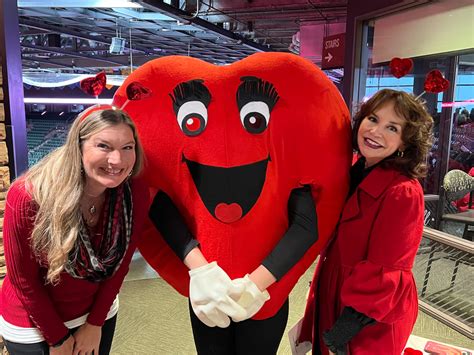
(234, 154)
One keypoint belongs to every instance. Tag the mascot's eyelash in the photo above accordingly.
(193, 90)
(256, 89)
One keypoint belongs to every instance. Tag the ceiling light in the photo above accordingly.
(79, 3)
(52, 100)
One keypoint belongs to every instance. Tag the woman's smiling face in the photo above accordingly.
(108, 157)
(380, 134)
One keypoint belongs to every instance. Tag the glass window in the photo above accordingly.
(460, 135)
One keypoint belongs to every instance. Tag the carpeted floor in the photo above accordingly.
(153, 318)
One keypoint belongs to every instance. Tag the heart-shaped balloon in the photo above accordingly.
(410, 351)
(435, 82)
(94, 86)
(136, 91)
(400, 67)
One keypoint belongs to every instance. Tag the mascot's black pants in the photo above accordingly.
(259, 337)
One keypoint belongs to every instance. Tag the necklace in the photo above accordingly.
(90, 211)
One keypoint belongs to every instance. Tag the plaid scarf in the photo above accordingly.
(84, 262)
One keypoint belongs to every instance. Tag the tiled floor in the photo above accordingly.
(153, 318)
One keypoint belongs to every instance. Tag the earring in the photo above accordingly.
(400, 153)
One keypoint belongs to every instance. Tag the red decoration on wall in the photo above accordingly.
(410, 351)
(94, 86)
(400, 67)
(435, 82)
(136, 91)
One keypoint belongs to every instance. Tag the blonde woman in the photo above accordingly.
(70, 229)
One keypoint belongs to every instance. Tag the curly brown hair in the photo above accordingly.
(416, 134)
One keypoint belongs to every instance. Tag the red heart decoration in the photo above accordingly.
(136, 91)
(435, 83)
(410, 351)
(400, 66)
(94, 86)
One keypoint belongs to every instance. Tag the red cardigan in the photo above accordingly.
(367, 266)
(27, 301)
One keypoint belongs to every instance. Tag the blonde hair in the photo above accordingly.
(56, 184)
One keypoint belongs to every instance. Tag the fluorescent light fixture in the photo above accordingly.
(458, 103)
(52, 100)
(79, 3)
(54, 80)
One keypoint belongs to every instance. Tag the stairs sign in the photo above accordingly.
(333, 51)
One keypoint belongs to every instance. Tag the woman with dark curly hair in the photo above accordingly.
(363, 297)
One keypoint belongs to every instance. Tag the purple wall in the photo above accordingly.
(13, 88)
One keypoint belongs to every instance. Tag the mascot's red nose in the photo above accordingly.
(228, 213)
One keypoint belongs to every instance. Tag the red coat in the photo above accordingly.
(367, 266)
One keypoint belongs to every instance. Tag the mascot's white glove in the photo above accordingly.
(212, 295)
(252, 298)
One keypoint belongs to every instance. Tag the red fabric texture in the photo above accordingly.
(307, 139)
(27, 301)
(368, 265)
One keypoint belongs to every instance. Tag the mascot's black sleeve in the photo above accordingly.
(170, 223)
(302, 233)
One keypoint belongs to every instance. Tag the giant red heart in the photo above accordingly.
(228, 144)
(94, 86)
(136, 91)
(400, 67)
(435, 82)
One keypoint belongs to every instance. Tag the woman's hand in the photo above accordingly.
(331, 353)
(87, 339)
(66, 348)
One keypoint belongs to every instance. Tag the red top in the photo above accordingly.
(368, 265)
(26, 299)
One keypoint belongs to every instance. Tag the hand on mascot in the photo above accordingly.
(212, 295)
(252, 299)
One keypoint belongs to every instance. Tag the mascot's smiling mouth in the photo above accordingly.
(228, 193)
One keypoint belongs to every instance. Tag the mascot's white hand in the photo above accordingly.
(252, 298)
(212, 295)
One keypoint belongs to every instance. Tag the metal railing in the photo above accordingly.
(444, 274)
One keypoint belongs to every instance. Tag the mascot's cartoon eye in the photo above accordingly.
(192, 118)
(255, 116)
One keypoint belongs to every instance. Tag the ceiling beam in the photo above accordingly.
(61, 30)
(72, 54)
(160, 6)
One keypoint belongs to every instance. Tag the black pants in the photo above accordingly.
(108, 330)
(259, 337)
